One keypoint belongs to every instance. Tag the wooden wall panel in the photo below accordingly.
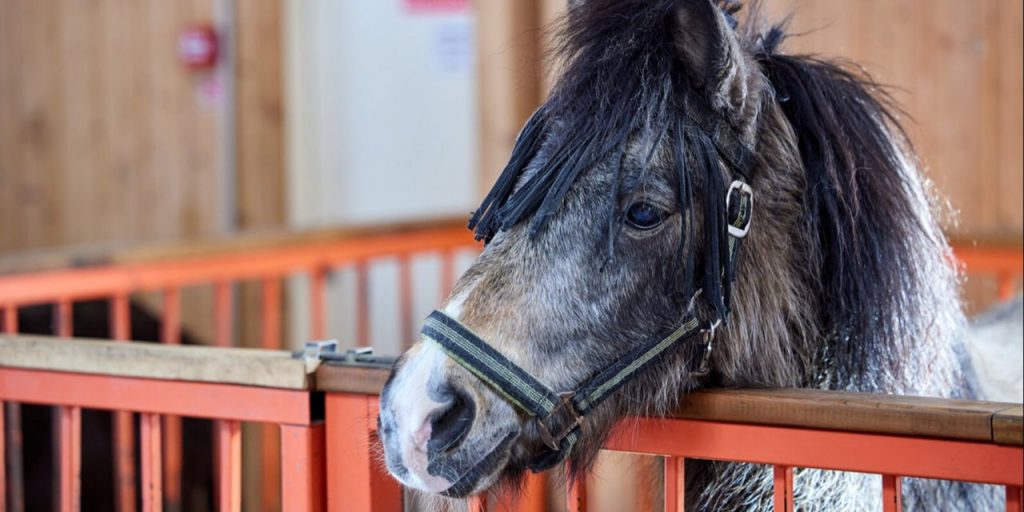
(508, 53)
(955, 67)
(259, 66)
(105, 134)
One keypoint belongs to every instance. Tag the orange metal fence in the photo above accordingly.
(1004, 261)
(36, 372)
(267, 260)
(893, 436)
(351, 469)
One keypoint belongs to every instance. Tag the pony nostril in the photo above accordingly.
(451, 424)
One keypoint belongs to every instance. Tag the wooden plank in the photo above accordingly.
(252, 367)
(857, 412)
(1008, 426)
(508, 78)
(35, 131)
(804, 408)
(1009, 28)
(351, 379)
(550, 14)
(260, 172)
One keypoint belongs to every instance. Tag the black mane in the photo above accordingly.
(623, 77)
(620, 77)
(859, 202)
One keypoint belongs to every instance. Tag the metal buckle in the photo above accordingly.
(564, 402)
(709, 337)
(743, 188)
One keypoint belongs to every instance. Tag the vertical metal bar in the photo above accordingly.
(405, 300)
(14, 462)
(229, 466)
(69, 427)
(170, 333)
(1005, 284)
(3, 464)
(170, 327)
(362, 304)
(70, 457)
(152, 483)
(477, 503)
(227, 434)
(270, 450)
(317, 279)
(1014, 499)
(124, 429)
(576, 494)
(62, 319)
(534, 496)
(675, 484)
(355, 480)
(892, 493)
(14, 483)
(223, 314)
(11, 319)
(783, 488)
(270, 313)
(447, 273)
(303, 466)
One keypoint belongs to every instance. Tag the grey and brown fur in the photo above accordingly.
(843, 282)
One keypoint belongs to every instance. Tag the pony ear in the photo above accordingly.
(710, 50)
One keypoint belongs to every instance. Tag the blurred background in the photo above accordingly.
(130, 123)
(126, 125)
(138, 122)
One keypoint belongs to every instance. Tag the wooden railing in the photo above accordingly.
(332, 461)
(267, 259)
(895, 436)
(223, 384)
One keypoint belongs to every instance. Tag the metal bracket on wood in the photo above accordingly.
(327, 351)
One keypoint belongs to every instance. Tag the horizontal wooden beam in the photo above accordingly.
(1008, 426)
(351, 379)
(805, 408)
(857, 412)
(243, 366)
(939, 418)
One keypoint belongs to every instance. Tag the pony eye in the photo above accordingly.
(644, 216)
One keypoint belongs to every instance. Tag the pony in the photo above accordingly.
(610, 226)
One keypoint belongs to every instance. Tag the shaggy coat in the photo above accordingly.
(843, 282)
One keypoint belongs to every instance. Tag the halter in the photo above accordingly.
(559, 416)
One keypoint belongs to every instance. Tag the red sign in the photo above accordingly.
(197, 47)
(436, 6)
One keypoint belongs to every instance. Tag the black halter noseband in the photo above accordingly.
(559, 415)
